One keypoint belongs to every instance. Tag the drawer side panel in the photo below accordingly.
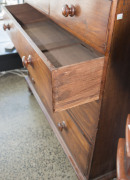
(77, 84)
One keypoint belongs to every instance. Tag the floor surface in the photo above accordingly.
(29, 149)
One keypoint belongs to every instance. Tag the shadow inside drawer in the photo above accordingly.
(59, 46)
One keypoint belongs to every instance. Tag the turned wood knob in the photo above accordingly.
(61, 125)
(68, 11)
(27, 61)
(6, 27)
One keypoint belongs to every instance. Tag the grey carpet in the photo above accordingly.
(29, 149)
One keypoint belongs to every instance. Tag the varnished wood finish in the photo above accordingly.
(66, 74)
(68, 11)
(89, 23)
(57, 133)
(81, 145)
(27, 61)
(41, 73)
(108, 45)
(25, 48)
(69, 89)
(107, 176)
(116, 99)
(128, 136)
(86, 118)
(17, 34)
(25, 13)
(123, 158)
(42, 5)
(62, 125)
(121, 161)
(65, 79)
(121, 174)
(76, 142)
(84, 144)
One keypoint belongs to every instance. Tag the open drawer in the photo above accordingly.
(75, 69)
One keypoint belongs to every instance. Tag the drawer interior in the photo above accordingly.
(59, 46)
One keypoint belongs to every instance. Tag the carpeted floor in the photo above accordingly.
(29, 149)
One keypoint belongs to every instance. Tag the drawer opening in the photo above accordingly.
(71, 69)
(59, 46)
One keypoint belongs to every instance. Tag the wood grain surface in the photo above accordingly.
(25, 13)
(17, 34)
(123, 157)
(116, 100)
(121, 161)
(86, 117)
(69, 84)
(77, 84)
(40, 75)
(76, 142)
(128, 136)
(68, 87)
(56, 131)
(90, 22)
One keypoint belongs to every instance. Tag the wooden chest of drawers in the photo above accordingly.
(76, 53)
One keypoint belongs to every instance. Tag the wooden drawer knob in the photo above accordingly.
(61, 125)
(68, 11)
(27, 61)
(6, 27)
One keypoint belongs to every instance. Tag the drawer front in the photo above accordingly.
(41, 5)
(89, 22)
(38, 70)
(79, 147)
